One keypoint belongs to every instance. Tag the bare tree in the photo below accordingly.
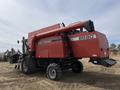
(112, 46)
(118, 47)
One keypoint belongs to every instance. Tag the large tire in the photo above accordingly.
(77, 67)
(28, 65)
(54, 71)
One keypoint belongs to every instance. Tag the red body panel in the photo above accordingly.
(85, 44)
(33, 34)
(51, 31)
(92, 44)
(104, 45)
(47, 43)
(46, 48)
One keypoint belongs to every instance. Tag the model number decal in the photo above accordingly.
(85, 37)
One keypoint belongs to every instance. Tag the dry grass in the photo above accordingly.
(93, 78)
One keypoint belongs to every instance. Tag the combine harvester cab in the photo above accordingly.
(59, 47)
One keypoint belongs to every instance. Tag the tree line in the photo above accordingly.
(115, 48)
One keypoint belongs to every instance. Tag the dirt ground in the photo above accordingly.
(93, 78)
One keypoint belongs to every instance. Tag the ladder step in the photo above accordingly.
(104, 62)
(110, 62)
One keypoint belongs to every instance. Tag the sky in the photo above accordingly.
(19, 17)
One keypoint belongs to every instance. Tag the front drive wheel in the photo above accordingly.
(54, 71)
(28, 65)
(77, 67)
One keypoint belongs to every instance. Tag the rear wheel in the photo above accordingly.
(54, 71)
(77, 67)
(28, 65)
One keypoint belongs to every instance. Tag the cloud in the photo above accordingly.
(5, 22)
(108, 23)
(18, 17)
(8, 46)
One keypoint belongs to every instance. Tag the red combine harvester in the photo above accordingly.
(59, 47)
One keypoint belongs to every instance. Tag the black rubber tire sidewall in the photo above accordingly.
(30, 64)
(77, 65)
(58, 71)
